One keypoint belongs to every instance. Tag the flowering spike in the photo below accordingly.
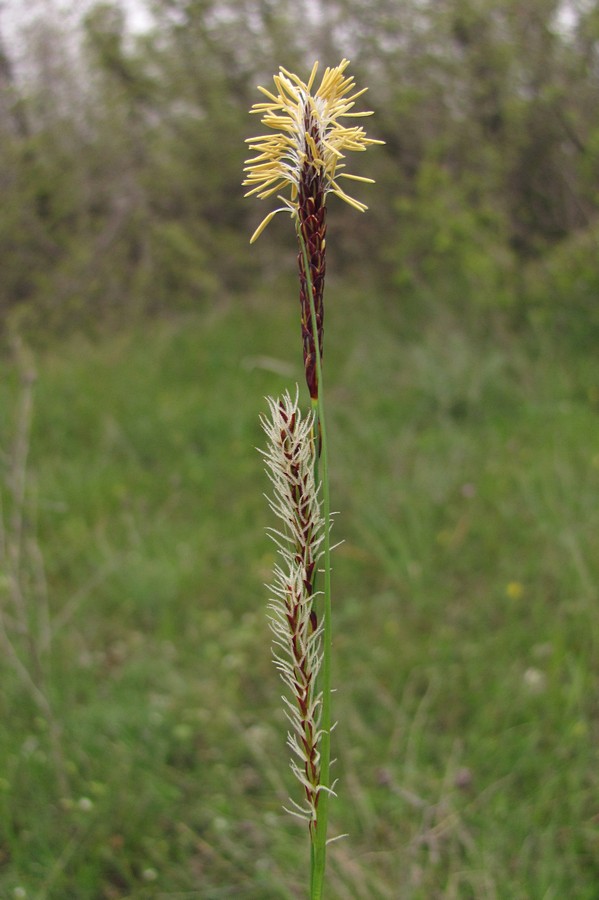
(304, 153)
(297, 651)
(299, 117)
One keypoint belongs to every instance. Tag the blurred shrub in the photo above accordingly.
(562, 289)
(451, 245)
(121, 158)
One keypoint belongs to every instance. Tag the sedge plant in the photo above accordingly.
(300, 160)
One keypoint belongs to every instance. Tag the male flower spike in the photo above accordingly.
(304, 153)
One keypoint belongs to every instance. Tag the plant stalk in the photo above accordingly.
(321, 468)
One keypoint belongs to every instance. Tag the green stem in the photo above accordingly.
(319, 838)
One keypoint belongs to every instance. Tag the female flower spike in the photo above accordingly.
(297, 636)
(305, 153)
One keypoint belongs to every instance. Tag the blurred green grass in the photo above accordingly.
(466, 473)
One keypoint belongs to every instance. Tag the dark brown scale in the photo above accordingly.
(312, 220)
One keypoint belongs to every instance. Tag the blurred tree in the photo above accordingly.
(487, 113)
(39, 169)
(121, 155)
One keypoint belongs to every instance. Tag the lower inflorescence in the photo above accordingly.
(297, 650)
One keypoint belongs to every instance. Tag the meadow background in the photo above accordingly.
(142, 742)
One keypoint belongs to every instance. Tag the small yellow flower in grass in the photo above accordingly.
(514, 590)
(305, 150)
